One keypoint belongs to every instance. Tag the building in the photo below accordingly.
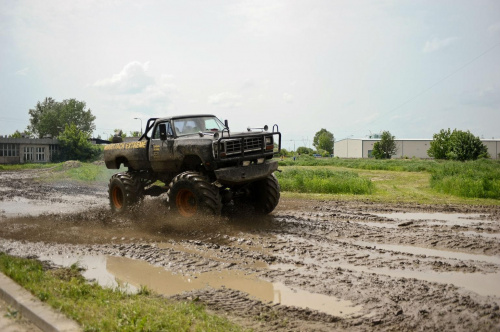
(24, 150)
(411, 148)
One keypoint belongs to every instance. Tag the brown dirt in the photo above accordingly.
(432, 268)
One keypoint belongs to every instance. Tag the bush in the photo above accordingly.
(457, 145)
(74, 144)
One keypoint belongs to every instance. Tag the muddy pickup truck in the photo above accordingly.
(199, 163)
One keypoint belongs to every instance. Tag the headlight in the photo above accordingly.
(269, 140)
(215, 150)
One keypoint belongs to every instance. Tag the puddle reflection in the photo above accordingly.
(460, 219)
(113, 271)
(430, 252)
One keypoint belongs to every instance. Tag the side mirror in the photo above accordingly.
(226, 124)
(163, 132)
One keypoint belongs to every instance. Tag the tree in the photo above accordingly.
(284, 152)
(323, 140)
(457, 145)
(17, 134)
(440, 144)
(386, 147)
(50, 117)
(304, 150)
(118, 132)
(135, 134)
(74, 144)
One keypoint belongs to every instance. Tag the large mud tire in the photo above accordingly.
(125, 191)
(190, 194)
(266, 194)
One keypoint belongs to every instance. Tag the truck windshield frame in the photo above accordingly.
(193, 125)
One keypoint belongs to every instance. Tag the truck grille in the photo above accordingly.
(249, 144)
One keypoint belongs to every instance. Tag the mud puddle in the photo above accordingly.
(377, 224)
(486, 284)
(459, 219)
(131, 275)
(430, 252)
(20, 207)
(479, 283)
(95, 268)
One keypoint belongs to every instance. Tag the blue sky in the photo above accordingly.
(352, 67)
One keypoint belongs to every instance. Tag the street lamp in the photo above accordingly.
(141, 123)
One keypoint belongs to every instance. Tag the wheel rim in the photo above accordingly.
(186, 203)
(117, 197)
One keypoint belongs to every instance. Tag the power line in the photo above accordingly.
(436, 83)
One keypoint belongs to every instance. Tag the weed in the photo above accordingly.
(11, 313)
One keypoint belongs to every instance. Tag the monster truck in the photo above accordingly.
(204, 164)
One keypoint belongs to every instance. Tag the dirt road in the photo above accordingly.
(311, 265)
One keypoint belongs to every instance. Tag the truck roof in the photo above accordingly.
(174, 117)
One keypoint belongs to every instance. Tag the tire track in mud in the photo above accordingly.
(402, 275)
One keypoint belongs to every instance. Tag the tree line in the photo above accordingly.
(446, 145)
(72, 124)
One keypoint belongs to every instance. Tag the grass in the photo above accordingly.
(103, 309)
(90, 173)
(322, 180)
(402, 180)
(74, 170)
(476, 179)
(399, 165)
(19, 167)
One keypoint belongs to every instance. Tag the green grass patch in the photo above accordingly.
(104, 309)
(474, 179)
(324, 181)
(399, 165)
(478, 179)
(90, 173)
(78, 171)
(20, 167)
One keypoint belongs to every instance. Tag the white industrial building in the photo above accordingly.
(411, 148)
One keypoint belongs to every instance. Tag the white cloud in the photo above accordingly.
(134, 90)
(494, 27)
(260, 16)
(225, 99)
(288, 98)
(22, 72)
(436, 44)
(132, 79)
(488, 96)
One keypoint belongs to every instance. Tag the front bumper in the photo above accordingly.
(245, 174)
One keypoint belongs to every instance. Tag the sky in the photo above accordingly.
(355, 68)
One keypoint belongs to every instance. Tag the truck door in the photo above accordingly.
(161, 153)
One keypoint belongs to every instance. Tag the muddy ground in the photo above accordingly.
(310, 265)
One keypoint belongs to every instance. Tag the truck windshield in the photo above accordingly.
(189, 126)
